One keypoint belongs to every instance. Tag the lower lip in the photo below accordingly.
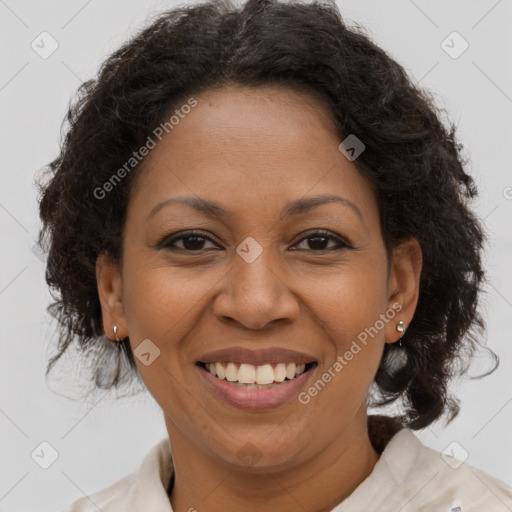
(255, 399)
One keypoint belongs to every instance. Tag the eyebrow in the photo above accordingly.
(214, 209)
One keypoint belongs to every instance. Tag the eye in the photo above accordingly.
(192, 241)
(319, 239)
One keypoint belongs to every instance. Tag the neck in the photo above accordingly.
(208, 484)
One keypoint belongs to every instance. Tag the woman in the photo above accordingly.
(259, 214)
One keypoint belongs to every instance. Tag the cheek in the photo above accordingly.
(352, 299)
(161, 306)
(350, 306)
(160, 302)
(351, 312)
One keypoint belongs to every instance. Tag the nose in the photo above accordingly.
(256, 294)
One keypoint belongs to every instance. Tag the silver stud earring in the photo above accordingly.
(115, 334)
(401, 328)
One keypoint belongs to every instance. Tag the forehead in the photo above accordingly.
(242, 146)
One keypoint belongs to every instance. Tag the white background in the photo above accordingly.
(99, 443)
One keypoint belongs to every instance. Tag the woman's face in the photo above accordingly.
(257, 276)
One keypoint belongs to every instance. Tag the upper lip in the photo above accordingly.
(256, 357)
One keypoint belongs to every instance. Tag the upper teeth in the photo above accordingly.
(250, 374)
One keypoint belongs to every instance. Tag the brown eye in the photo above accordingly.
(192, 241)
(318, 241)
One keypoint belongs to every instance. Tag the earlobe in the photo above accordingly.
(404, 284)
(109, 283)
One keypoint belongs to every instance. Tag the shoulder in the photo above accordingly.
(434, 479)
(147, 487)
(112, 494)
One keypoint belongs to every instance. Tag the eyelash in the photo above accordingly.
(167, 241)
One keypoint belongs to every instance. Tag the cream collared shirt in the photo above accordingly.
(408, 477)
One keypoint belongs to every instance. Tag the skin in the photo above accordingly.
(253, 150)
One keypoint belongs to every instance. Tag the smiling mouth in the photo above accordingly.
(250, 376)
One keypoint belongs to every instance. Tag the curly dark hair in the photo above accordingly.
(412, 160)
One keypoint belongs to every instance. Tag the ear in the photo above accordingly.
(404, 285)
(108, 278)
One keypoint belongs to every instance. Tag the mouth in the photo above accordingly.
(249, 376)
(255, 388)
